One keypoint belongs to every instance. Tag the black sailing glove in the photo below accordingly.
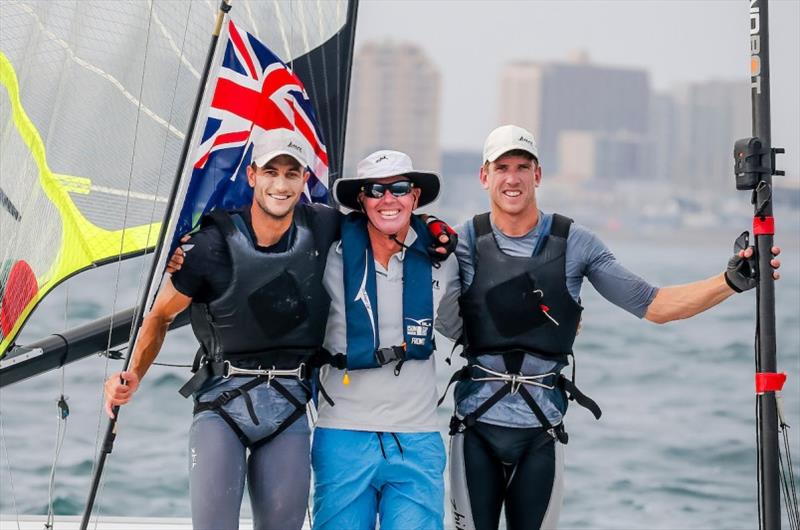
(742, 273)
(437, 227)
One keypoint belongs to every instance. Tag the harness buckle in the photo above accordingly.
(392, 353)
(229, 370)
(515, 380)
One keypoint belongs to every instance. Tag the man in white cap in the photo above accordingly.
(377, 453)
(253, 279)
(521, 274)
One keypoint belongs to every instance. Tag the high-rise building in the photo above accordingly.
(664, 122)
(550, 99)
(710, 117)
(394, 104)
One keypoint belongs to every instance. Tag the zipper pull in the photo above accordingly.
(346, 378)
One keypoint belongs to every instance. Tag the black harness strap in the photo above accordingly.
(540, 415)
(202, 374)
(299, 412)
(579, 397)
(470, 419)
(217, 406)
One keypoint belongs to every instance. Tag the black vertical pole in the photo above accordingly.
(111, 431)
(763, 229)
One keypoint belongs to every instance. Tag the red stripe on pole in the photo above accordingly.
(763, 226)
(769, 382)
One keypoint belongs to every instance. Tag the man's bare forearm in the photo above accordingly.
(683, 301)
(148, 344)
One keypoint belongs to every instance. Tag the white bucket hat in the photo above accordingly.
(382, 164)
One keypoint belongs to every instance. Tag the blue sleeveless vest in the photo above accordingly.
(361, 294)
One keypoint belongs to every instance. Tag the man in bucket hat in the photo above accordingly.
(521, 273)
(378, 453)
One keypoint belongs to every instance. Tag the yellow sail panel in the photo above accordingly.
(28, 274)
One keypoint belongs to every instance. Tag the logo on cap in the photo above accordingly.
(382, 158)
(526, 140)
(295, 146)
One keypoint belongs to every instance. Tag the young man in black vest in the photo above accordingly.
(253, 279)
(521, 274)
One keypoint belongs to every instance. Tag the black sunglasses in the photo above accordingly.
(376, 190)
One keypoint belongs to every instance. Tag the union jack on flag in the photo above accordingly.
(254, 91)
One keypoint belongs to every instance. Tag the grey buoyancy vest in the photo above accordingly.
(275, 309)
(520, 303)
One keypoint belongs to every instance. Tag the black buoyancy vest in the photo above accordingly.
(275, 309)
(511, 300)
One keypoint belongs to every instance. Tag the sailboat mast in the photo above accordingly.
(111, 430)
(768, 382)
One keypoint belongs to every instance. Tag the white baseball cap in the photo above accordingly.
(382, 164)
(274, 142)
(508, 138)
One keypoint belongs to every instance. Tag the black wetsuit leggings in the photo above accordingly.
(491, 466)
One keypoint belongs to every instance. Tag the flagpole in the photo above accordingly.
(111, 431)
(755, 166)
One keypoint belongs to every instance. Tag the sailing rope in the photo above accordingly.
(61, 432)
(8, 463)
(61, 428)
(98, 435)
(786, 470)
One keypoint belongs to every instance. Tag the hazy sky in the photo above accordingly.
(676, 41)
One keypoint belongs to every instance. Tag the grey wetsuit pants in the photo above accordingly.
(277, 475)
(492, 466)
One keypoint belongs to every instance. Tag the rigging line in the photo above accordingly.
(326, 92)
(8, 463)
(787, 475)
(142, 269)
(122, 238)
(100, 72)
(130, 173)
(171, 41)
(61, 433)
(61, 426)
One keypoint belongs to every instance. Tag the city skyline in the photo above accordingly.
(675, 42)
(591, 122)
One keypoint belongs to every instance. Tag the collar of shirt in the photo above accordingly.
(398, 256)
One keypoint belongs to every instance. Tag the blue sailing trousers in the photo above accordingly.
(360, 476)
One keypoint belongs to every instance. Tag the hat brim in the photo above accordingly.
(346, 191)
(497, 153)
(263, 160)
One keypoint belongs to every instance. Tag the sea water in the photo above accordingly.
(675, 447)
